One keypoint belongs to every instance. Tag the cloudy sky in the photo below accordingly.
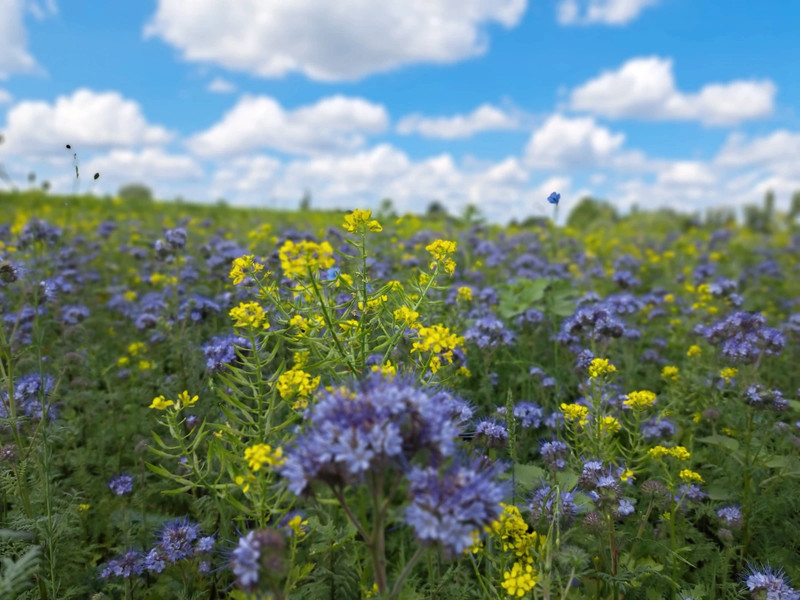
(681, 103)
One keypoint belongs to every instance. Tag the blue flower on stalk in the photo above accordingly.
(451, 507)
(554, 198)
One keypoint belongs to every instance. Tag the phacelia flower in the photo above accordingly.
(121, 484)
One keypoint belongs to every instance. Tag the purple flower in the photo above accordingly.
(553, 198)
(554, 455)
(543, 505)
(529, 414)
(772, 581)
(384, 423)
(450, 507)
(128, 564)
(177, 537)
(121, 484)
(731, 516)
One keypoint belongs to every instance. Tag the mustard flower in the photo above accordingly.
(249, 314)
(575, 412)
(242, 267)
(360, 219)
(640, 399)
(160, 403)
(520, 580)
(599, 367)
(670, 373)
(259, 455)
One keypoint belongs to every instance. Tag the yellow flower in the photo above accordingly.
(297, 525)
(690, 476)
(130, 295)
(678, 452)
(465, 293)
(297, 259)
(298, 384)
(136, 348)
(259, 455)
(123, 361)
(669, 298)
(83, 507)
(520, 580)
(640, 399)
(694, 350)
(600, 367)
(249, 314)
(145, 365)
(436, 338)
(242, 267)
(406, 315)
(388, 370)
(728, 373)
(627, 474)
(185, 400)
(609, 425)
(348, 324)
(670, 373)
(244, 482)
(441, 250)
(160, 403)
(358, 219)
(575, 412)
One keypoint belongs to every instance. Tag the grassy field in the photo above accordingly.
(209, 402)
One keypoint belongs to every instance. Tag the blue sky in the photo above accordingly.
(682, 103)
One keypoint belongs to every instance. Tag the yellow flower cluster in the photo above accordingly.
(358, 220)
(599, 367)
(694, 350)
(441, 250)
(183, 400)
(670, 373)
(157, 279)
(297, 259)
(388, 370)
(406, 315)
(728, 373)
(249, 314)
(242, 267)
(609, 425)
(464, 293)
(640, 399)
(259, 455)
(520, 580)
(437, 338)
(512, 531)
(296, 383)
(678, 452)
(690, 476)
(575, 412)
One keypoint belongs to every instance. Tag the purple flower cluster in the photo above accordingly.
(744, 336)
(220, 351)
(544, 506)
(384, 423)
(768, 583)
(121, 485)
(32, 394)
(489, 332)
(451, 507)
(759, 397)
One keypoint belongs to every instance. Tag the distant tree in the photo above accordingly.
(305, 201)
(31, 178)
(589, 211)
(794, 207)
(720, 217)
(386, 209)
(135, 191)
(45, 186)
(472, 215)
(769, 209)
(540, 222)
(436, 210)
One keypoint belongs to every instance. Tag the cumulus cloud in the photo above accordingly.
(87, 119)
(644, 88)
(778, 152)
(484, 118)
(336, 123)
(5, 97)
(362, 178)
(329, 41)
(14, 56)
(562, 142)
(149, 164)
(606, 12)
(218, 85)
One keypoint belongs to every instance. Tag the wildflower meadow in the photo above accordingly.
(204, 402)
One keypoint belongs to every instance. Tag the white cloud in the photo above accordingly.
(14, 56)
(5, 97)
(686, 173)
(87, 120)
(336, 123)
(218, 85)
(503, 189)
(329, 41)
(778, 152)
(644, 88)
(607, 12)
(571, 142)
(484, 118)
(150, 164)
